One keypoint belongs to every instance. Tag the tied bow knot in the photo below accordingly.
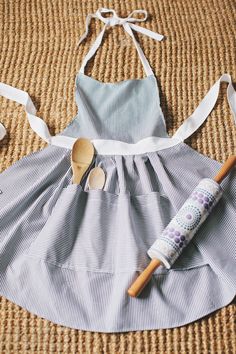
(126, 22)
(116, 20)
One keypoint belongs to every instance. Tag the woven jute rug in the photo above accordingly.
(38, 54)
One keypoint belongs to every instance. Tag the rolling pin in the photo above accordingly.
(181, 229)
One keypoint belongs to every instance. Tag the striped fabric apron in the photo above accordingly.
(69, 254)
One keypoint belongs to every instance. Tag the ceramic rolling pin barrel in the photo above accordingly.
(181, 229)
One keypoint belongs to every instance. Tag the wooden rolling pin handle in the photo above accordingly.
(229, 163)
(143, 278)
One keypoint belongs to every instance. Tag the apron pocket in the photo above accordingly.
(139, 222)
(79, 232)
(105, 232)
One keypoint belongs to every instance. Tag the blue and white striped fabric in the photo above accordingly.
(69, 255)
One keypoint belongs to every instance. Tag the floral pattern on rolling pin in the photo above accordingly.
(189, 217)
(187, 221)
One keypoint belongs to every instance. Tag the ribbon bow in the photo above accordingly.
(126, 22)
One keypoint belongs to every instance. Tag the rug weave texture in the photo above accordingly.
(38, 40)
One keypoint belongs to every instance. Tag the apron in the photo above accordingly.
(69, 254)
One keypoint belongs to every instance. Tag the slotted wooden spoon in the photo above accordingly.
(81, 158)
(96, 178)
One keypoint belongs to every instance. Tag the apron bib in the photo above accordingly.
(69, 254)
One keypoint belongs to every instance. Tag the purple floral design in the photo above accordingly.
(189, 217)
(203, 197)
(175, 235)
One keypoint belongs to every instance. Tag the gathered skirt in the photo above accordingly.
(69, 254)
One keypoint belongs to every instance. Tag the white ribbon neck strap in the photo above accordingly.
(128, 26)
(197, 118)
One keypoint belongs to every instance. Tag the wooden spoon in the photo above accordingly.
(96, 178)
(81, 157)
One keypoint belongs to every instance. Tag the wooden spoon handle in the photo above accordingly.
(79, 171)
(143, 278)
(225, 169)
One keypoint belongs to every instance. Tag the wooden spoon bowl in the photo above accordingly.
(81, 158)
(96, 178)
